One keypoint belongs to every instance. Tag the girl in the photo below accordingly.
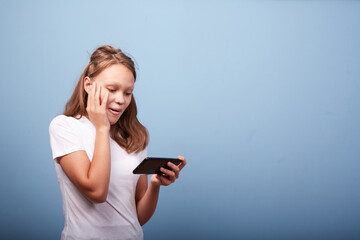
(96, 144)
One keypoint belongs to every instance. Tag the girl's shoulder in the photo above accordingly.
(62, 121)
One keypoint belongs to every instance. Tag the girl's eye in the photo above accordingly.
(111, 90)
(128, 93)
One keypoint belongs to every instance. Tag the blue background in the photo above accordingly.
(261, 97)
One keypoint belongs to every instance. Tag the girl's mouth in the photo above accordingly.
(114, 111)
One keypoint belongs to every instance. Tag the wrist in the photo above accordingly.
(153, 186)
(103, 130)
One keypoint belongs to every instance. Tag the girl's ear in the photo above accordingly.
(87, 84)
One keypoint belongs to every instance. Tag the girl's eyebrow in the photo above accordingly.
(118, 85)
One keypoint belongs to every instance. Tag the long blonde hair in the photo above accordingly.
(128, 132)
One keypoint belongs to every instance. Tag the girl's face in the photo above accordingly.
(119, 81)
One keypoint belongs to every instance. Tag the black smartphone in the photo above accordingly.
(152, 165)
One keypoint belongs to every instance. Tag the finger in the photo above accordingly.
(183, 162)
(104, 100)
(90, 102)
(97, 95)
(174, 168)
(164, 181)
(168, 172)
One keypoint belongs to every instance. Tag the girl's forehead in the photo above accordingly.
(116, 74)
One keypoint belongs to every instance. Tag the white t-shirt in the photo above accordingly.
(116, 218)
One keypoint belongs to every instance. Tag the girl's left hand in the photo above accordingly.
(169, 176)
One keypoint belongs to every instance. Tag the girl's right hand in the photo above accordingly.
(96, 107)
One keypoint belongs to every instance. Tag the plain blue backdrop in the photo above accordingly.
(261, 97)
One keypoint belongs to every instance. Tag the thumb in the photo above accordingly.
(155, 179)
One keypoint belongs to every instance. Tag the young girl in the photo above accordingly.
(96, 145)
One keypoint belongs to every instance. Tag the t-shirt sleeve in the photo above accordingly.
(64, 137)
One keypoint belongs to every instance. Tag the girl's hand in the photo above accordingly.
(169, 176)
(96, 107)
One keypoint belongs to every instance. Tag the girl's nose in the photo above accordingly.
(119, 98)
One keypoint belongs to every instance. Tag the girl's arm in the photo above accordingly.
(92, 178)
(147, 197)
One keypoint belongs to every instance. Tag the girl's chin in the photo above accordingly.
(113, 120)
